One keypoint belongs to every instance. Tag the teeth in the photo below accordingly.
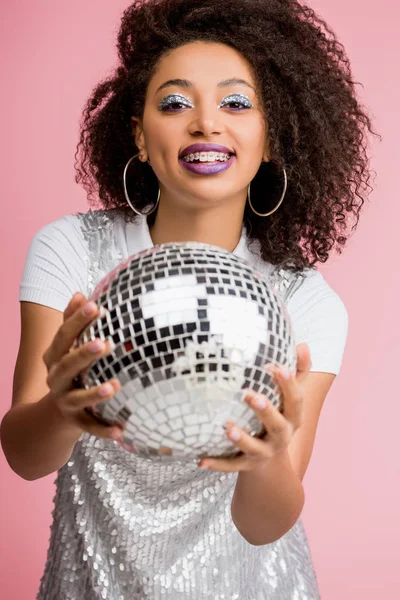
(206, 157)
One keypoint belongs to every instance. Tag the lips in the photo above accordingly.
(205, 148)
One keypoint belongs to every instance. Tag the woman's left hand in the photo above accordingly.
(280, 427)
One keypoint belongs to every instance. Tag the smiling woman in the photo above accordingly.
(234, 124)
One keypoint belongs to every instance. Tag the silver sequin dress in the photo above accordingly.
(129, 528)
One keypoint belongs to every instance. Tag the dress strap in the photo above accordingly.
(103, 254)
(285, 282)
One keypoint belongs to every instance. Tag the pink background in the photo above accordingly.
(52, 53)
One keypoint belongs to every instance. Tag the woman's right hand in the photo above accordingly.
(64, 363)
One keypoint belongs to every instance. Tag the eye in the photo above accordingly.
(241, 102)
(174, 103)
(238, 104)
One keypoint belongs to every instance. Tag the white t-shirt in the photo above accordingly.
(55, 269)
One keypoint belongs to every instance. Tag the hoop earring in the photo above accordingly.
(127, 195)
(280, 200)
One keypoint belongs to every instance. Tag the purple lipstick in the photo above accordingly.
(207, 168)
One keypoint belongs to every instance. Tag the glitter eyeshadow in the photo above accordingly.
(240, 98)
(174, 99)
(179, 99)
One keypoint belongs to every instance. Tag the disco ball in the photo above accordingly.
(191, 327)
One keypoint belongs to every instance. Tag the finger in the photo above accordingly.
(303, 362)
(89, 424)
(79, 399)
(82, 401)
(292, 396)
(69, 331)
(76, 301)
(277, 427)
(62, 373)
(226, 465)
(269, 415)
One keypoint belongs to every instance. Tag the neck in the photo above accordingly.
(216, 226)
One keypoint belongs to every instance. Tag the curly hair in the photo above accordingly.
(316, 125)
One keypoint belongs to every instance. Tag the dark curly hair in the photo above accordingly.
(316, 125)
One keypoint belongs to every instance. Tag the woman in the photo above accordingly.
(234, 124)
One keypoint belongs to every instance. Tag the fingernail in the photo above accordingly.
(102, 312)
(285, 372)
(96, 346)
(116, 434)
(259, 402)
(235, 435)
(270, 368)
(106, 390)
(89, 309)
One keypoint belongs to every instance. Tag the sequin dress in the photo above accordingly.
(129, 528)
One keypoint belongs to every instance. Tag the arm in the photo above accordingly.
(265, 504)
(268, 501)
(38, 436)
(35, 439)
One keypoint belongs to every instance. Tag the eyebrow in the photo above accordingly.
(185, 83)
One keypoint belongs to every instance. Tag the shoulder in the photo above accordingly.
(315, 294)
(55, 266)
(73, 230)
(66, 224)
(320, 319)
(61, 237)
(68, 254)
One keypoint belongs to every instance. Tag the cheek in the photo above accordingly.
(255, 135)
(251, 149)
(249, 134)
(162, 136)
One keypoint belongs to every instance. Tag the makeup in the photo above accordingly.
(237, 99)
(174, 99)
(168, 101)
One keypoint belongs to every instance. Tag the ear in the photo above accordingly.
(267, 150)
(266, 155)
(138, 133)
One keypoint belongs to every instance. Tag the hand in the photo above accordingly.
(64, 363)
(280, 427)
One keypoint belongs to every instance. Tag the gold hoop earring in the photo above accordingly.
(127, 195)
(280, 200)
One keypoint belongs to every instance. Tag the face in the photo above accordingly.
(203, 107)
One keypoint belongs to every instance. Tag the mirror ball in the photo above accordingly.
(191, 327)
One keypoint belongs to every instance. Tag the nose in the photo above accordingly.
(207, 121)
